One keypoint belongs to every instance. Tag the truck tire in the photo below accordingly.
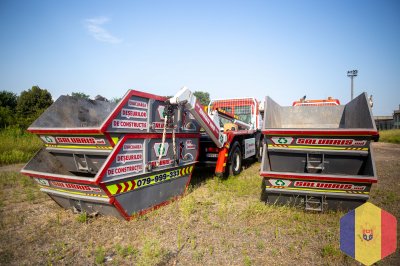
(235, 160)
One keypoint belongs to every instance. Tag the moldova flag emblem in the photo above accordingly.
(368, 233)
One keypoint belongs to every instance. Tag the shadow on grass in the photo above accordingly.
(201, 174)
(247, 163)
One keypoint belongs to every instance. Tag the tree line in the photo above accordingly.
(21, 110)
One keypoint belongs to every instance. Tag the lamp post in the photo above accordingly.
(352, 74)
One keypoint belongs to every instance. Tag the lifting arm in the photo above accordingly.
(186, 97)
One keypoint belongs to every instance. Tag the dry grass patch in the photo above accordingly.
(391, 136)
(17, 146)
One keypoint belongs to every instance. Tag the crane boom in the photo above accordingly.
(186, 97)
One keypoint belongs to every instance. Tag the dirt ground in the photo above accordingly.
(11, 168)
(217, 222)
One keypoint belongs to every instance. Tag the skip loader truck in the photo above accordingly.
(125, 159)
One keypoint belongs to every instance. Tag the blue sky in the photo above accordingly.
(283, 49)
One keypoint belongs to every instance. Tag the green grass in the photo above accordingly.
(57, 252)
(125, 251)
(152, 253)
(82, 217)
(19, 188)
(100, 255)
(391, 136)
(17, 146)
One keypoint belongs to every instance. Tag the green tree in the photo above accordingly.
(8, 99)
(80, 95)
(31, 104)
(203, 97)
(8, 103)
(7, 117)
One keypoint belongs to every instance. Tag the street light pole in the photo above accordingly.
(352, 74)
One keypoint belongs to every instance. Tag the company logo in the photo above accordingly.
(160, 111)
(48, 139)
(157, 149)
(162, 162)
(190, 126)
(280, 182)
(182, 148)
(158, 125)
(74, 186)
(190, 145)
(42, 182)
(74, 140)
(137, 104)
(128, 113)
(282, 140)
(331, 142)
(187, 157)
(310, 184)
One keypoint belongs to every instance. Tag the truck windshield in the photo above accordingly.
(244, 113)
(241, 108)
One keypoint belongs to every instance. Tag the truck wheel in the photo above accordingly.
(235, 160)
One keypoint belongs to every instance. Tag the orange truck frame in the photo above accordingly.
(328, 102)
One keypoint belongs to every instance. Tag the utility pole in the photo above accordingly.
(352, 74)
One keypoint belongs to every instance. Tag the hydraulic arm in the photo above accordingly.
(186, 97)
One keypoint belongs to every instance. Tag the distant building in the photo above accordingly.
(384, 122)
(396, 118)
(388, 122)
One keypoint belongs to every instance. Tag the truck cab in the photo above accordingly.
(240, 119)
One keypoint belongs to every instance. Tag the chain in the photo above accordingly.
(168, 123)
(163, 140)
(173, 142)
